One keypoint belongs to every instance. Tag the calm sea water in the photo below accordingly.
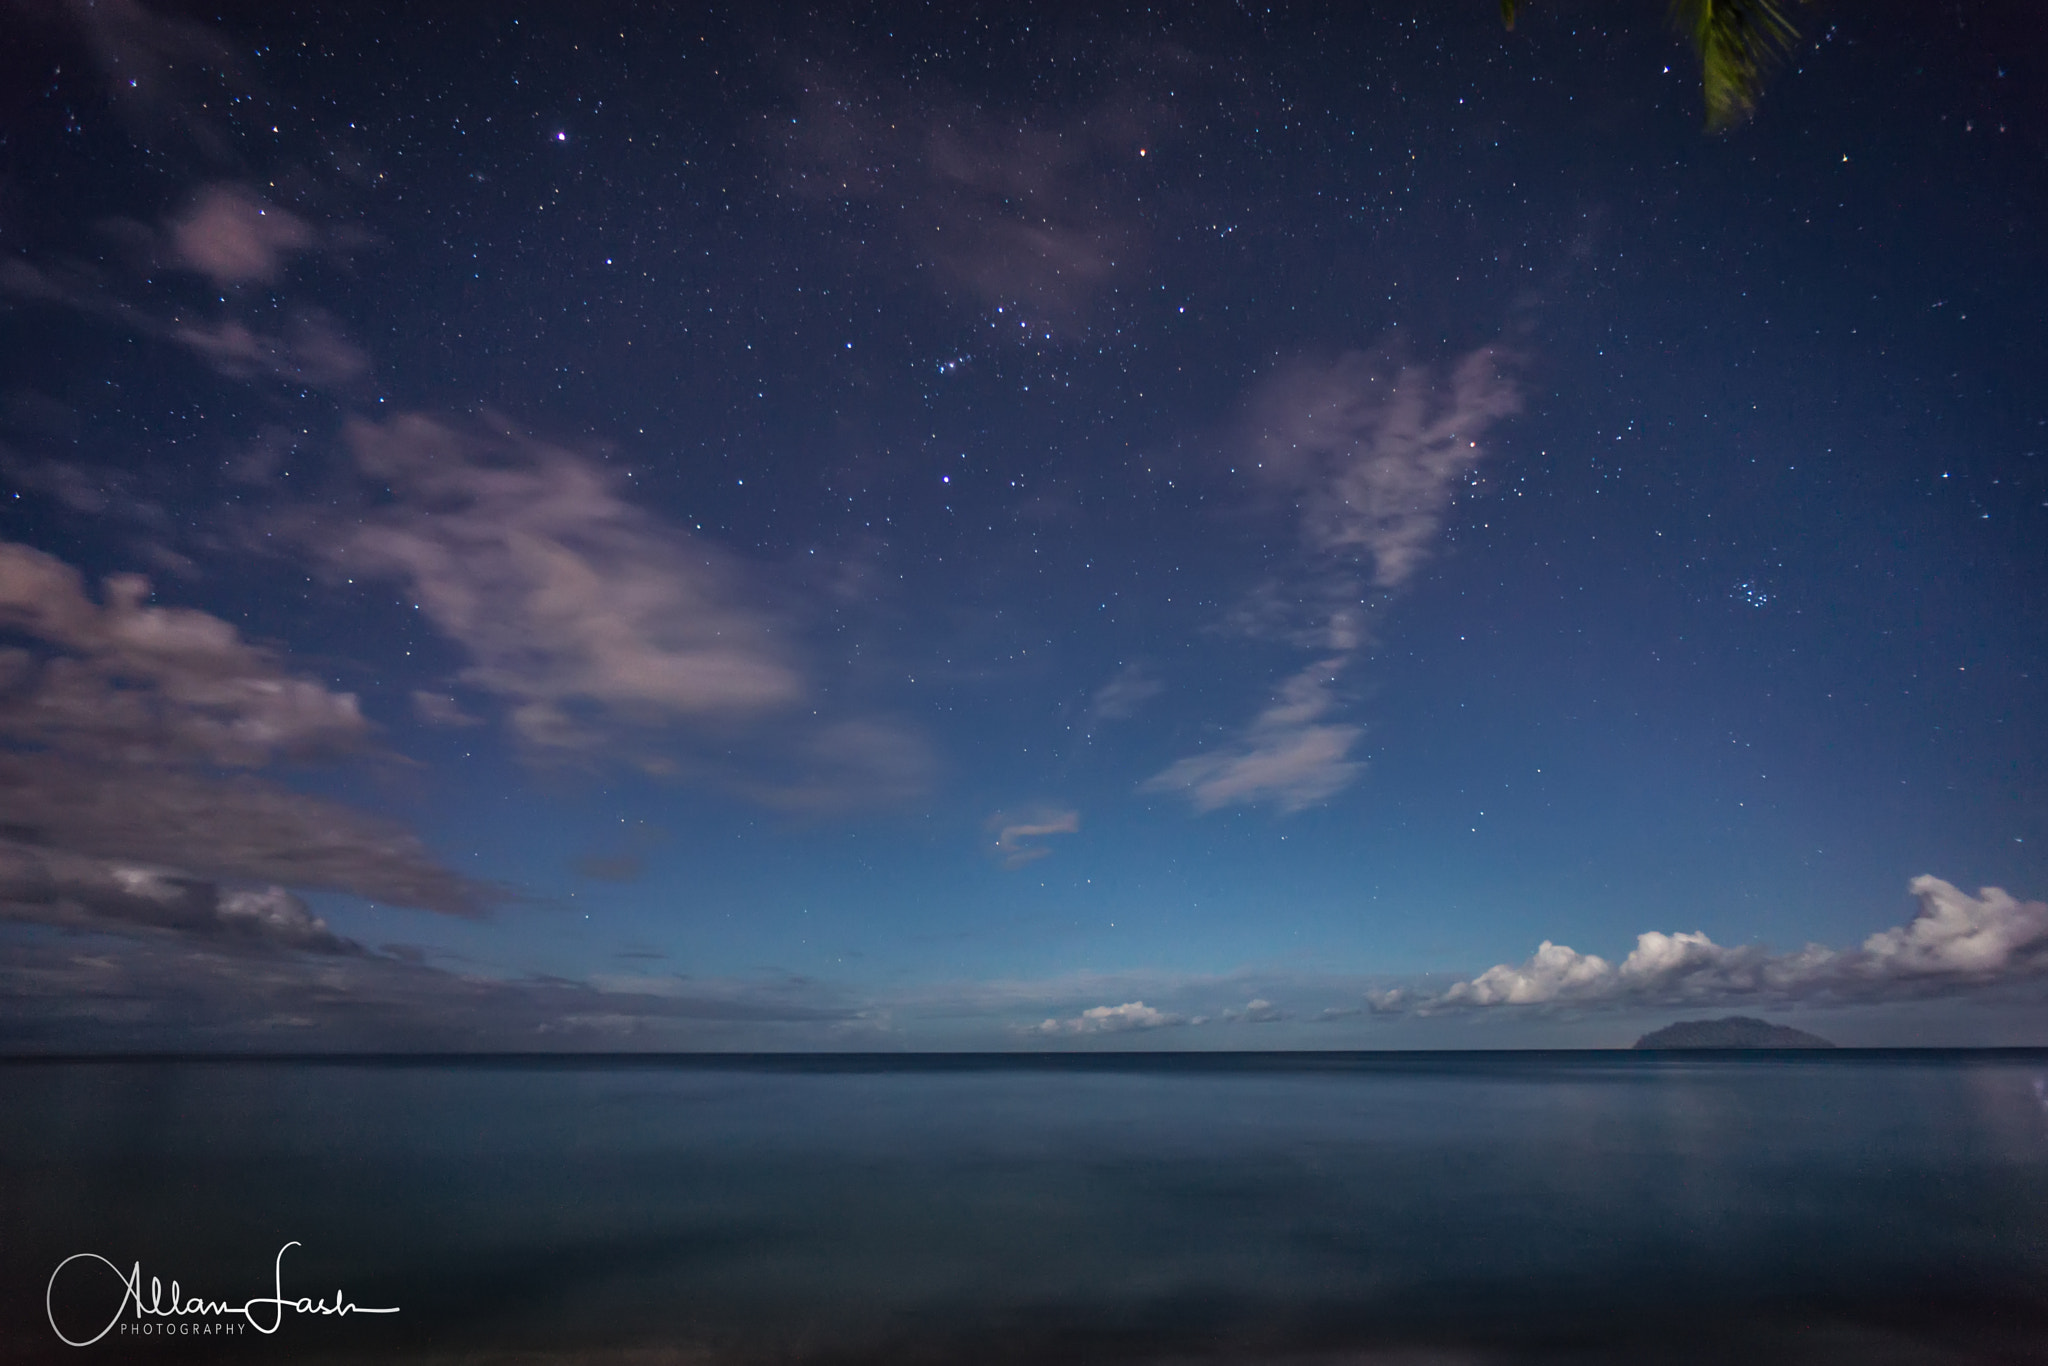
(1867, 1208)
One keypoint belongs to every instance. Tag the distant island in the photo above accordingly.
(1736, 1031)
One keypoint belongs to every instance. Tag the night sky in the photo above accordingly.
(670, 527)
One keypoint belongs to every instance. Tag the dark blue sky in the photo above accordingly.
(689, 528)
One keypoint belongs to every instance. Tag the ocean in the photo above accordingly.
(1865, 1207)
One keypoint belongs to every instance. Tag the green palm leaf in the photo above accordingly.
(1737, 40)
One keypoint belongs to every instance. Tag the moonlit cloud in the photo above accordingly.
(1016, 837)
(233, 236)
(587, 617)
(1289, 755)
(1954, 943)
(1369, 451)
(1373, 450)
(118, 719)
(127, 681)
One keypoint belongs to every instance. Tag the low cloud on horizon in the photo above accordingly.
(1955, 944)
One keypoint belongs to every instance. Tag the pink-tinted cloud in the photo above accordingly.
(311, 352)
(1373, 449)
(584, 614)
(112, 722)
(233, 236)
(130, 682)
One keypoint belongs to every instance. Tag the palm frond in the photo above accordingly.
(1737, 41)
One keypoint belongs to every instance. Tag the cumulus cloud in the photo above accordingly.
(127, 681)
(1017, 836)
(1954, 943)
(586, 616)
(233, 236)
(1131, 1015)
(1257, 1011)
(1369, 451)
(1290, 755)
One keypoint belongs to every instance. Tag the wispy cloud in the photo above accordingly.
(1955, 943)
(1373, 449)
(439, 709)
(1017, 836)
(1289, 755)
(161, 71)
(1369, 450)
(1033, 216)
(1124, 694)
(610, 635)
(584, 614)
(233, 236)
(311, 351)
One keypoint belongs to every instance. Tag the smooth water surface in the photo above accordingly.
(1439, 1207)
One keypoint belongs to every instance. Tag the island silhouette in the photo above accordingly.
(1733, 1031)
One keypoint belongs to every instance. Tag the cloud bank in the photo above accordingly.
(1955, 943)
(116, 721)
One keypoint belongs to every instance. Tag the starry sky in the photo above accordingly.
(1322, 526)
